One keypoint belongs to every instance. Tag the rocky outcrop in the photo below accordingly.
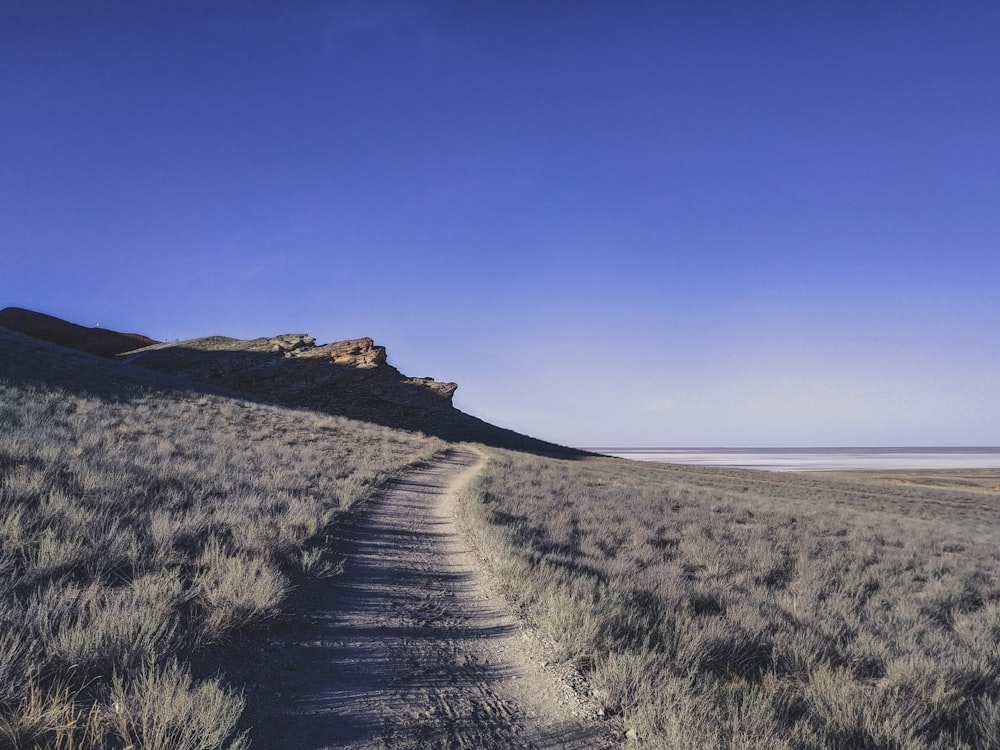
(292, 342)
(293, 367)
(361, 353)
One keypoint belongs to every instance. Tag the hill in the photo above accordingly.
(99, 341)
(351, 378)
(146, 523)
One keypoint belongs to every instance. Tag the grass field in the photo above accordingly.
(716, 608)
(138, 528)
(141, 527)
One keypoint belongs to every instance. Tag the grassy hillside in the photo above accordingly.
(719, 608)
(350, 378)
(366, 387)
(140, 525)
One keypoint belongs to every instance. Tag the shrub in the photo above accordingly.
(162, 709)
(52, 720)
(236, 590)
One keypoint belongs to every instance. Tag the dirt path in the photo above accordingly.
(407, 650)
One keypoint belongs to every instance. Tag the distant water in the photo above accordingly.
(818, 459)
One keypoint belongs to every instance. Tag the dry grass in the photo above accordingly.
(135, 529)
(736, 609)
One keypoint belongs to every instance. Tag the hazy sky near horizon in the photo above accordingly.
(617, 223)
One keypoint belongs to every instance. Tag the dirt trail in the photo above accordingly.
(407, 650)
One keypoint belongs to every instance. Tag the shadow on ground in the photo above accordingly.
(401, 650)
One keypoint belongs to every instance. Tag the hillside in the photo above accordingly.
(145, 522)
(351, 378)
(160, 536)
(99, 341)
(174, 556)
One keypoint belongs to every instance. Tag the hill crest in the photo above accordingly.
(102, 342)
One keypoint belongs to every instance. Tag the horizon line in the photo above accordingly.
(989, 448)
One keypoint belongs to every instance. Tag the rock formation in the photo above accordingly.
(291, 367)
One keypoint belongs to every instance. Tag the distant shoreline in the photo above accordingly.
(820, 459)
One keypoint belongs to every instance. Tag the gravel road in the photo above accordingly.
(409, 650)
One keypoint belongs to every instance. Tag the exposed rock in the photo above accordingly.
(443, 390)
(352, 353)
(292, 366)
(292, 343)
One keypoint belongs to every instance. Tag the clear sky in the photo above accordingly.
(616, 223)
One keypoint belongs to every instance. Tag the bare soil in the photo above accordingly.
(408, 648)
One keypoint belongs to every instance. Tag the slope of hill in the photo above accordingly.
(143, 521)
(99, 341)
(350, 378)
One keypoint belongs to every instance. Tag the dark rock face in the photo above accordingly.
(100, 341)
(291, 368)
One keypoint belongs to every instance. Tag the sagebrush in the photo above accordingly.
(740, 609)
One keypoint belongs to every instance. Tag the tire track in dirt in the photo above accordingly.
(407, 650)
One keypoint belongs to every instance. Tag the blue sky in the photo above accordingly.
(629, 223)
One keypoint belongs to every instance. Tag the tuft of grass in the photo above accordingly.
(19, 665)
(163, 709)
(235, 590)
(95, 631)
(53, 720)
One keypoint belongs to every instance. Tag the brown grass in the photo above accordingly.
(727, 608)
(135, 529)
